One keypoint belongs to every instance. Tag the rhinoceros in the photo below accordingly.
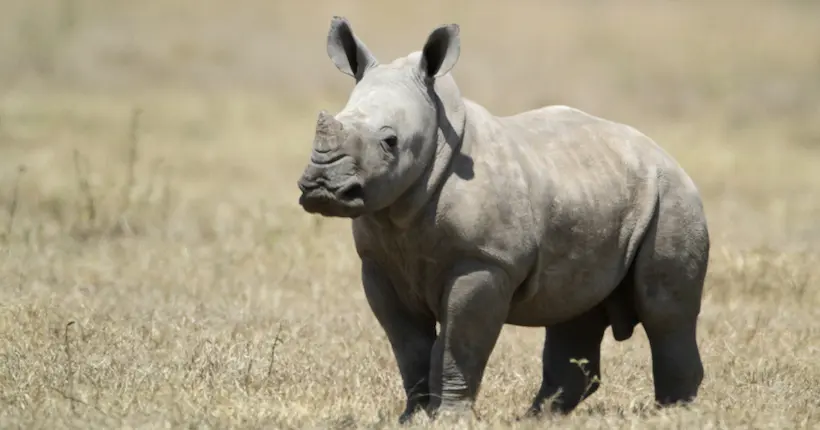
(467, 220)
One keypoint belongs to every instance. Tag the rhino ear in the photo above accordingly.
(347, 52)
(441, 51)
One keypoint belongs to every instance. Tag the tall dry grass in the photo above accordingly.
(156, 270)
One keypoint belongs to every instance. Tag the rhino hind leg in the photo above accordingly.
(677, 369)
(670, 269)
(566, 381)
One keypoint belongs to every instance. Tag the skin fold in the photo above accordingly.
(548, 218)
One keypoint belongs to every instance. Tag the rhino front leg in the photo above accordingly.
(474, 307)
(411, 336)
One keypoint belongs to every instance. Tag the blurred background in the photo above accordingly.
(730, 88)
(233, 87)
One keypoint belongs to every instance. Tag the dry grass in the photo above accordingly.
(156, 270)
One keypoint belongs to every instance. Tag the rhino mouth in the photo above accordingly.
(345, 200)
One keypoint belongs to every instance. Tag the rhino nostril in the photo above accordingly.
(354, 191)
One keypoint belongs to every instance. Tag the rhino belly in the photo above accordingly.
(561, 291)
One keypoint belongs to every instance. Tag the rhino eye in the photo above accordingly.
(391, 141)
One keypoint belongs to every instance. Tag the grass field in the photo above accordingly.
(157, 271)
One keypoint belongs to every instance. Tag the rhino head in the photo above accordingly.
(385, 139)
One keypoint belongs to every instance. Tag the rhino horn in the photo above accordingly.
(328, 133)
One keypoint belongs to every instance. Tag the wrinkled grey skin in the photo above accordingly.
(549, 218)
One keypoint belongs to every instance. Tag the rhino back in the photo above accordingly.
(560, 199)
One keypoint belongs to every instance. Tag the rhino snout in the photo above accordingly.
(330, 191)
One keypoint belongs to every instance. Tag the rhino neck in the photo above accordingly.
(451, 122)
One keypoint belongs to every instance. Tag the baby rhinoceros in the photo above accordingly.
(548, 218)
